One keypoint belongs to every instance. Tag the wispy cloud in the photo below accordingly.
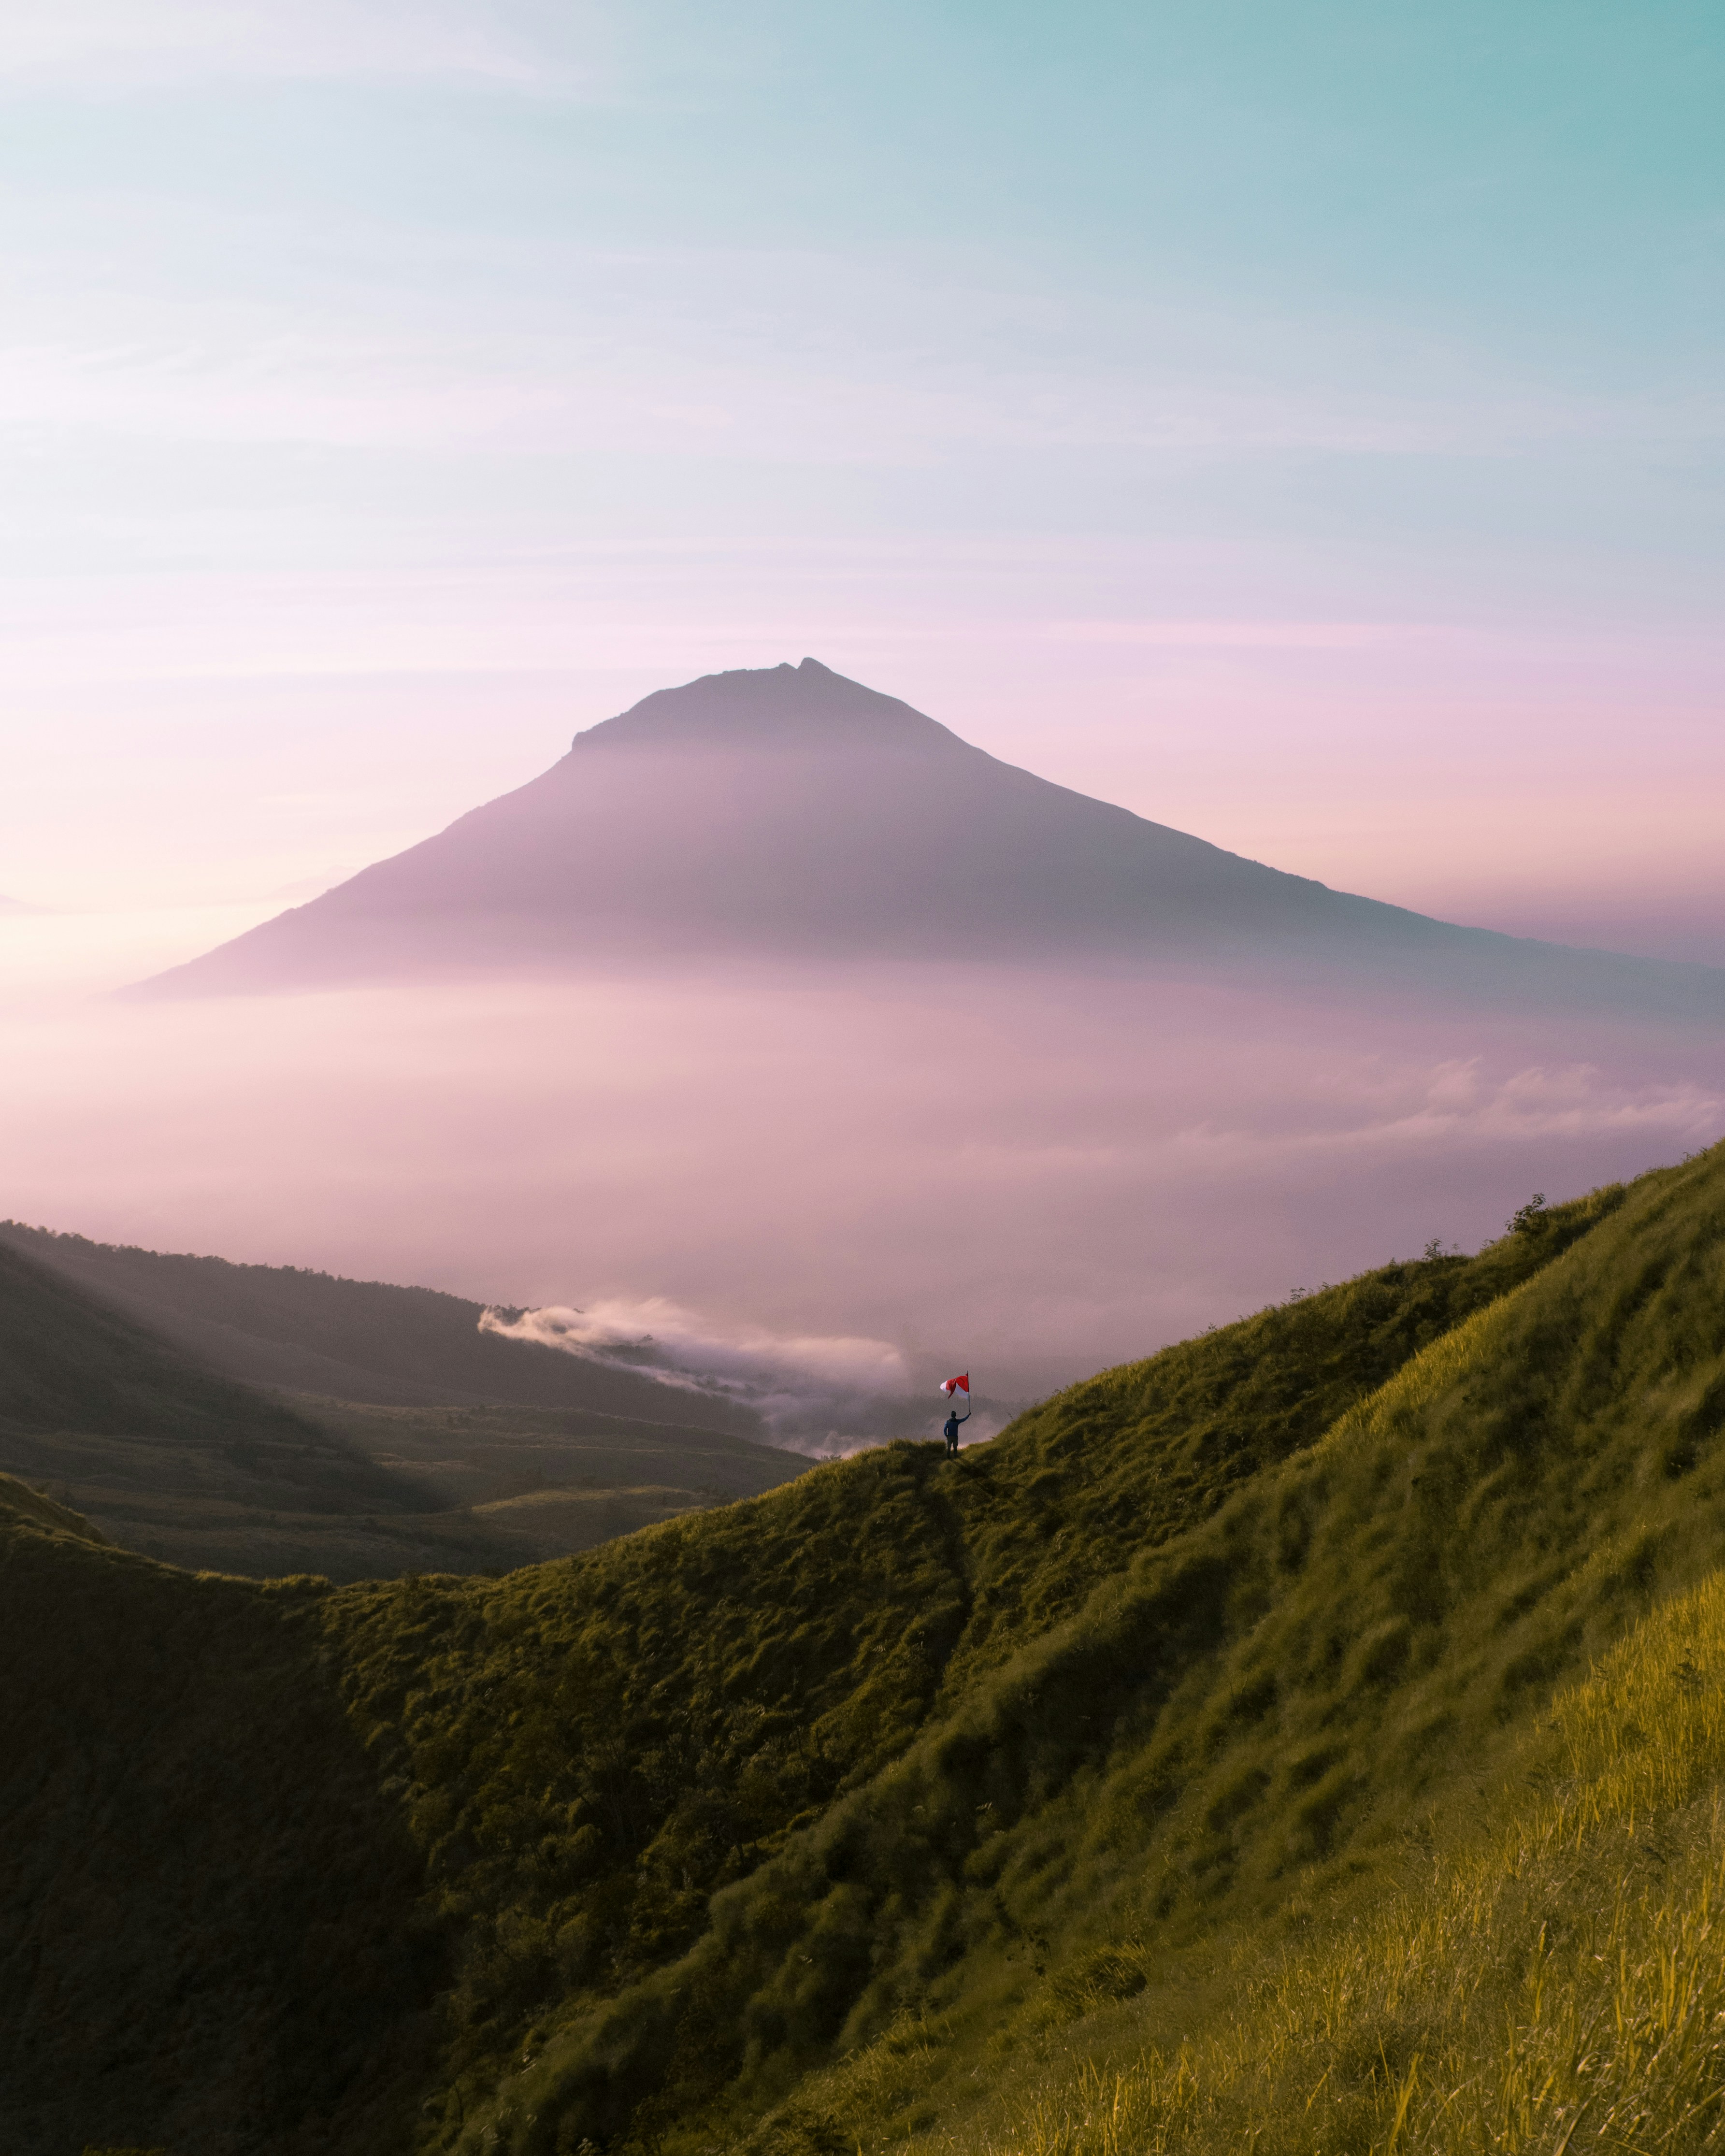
(195, 318)
(817, 1392)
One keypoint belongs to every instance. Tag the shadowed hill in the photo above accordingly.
(215, 1920)
(357, 1340)
(170, 1457)
(788, 812)
(805, 1822)
(69, 1364)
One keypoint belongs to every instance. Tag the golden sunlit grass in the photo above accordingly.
(1558, 1985)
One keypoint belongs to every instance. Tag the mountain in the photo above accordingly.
(788, 812)
(1308, 1739)
(168, 1454)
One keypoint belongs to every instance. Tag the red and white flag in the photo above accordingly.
(958, 1385)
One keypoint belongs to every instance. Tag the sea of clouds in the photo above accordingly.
(823, 1192)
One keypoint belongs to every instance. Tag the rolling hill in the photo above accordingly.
(171, 1456)
(1308, 1738)
(788, 813)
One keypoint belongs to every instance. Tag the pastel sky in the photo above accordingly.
(1302, 425)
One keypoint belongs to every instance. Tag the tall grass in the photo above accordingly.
(1557, 1985)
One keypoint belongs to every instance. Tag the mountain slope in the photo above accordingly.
(170, 1457)
(788, 812)
(1546, 1973)
(20, 1502)
(174, 1458)
(69, 1364)
(810, 1819)
(1242, 1701)
(358, 1340)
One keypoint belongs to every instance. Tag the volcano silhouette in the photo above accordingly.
(788, 812)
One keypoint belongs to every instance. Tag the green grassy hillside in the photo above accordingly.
(1149, 1773)
(166, 1454)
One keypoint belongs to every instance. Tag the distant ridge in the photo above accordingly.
(788, 812)
(120, 1422)
(286, 1327)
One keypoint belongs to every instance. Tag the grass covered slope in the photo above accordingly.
(558, 1465)
(69, 1362)
(1547, 1972)
(889, 1802)
(1094, 1476)
(20, 1502)
(1251, 1707)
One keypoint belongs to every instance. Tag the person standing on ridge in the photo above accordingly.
(951, 1389)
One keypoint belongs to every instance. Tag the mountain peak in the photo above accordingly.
(806, 707)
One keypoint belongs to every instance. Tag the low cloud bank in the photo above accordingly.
(823, 1191)
(815, 1393)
